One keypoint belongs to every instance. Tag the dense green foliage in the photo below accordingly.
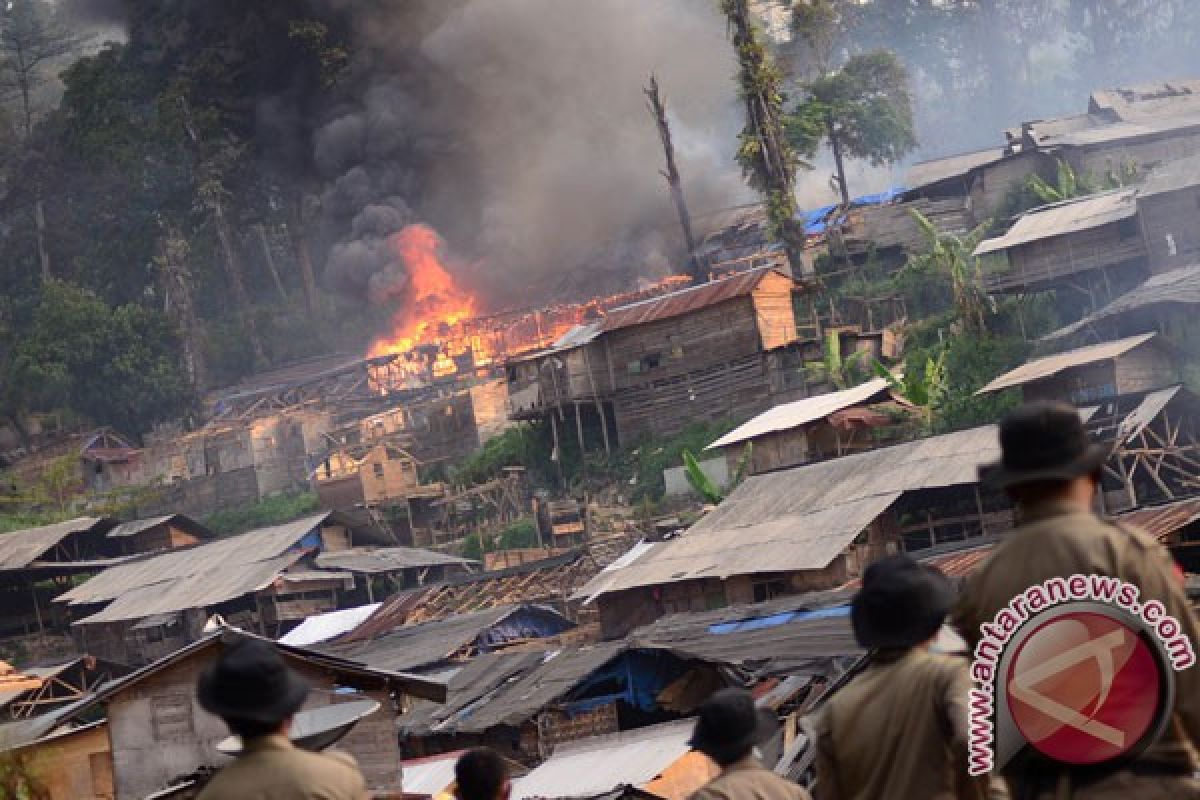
(518, 535)
(274, 510)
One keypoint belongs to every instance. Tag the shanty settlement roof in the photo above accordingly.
(430, 776)
(180, 521)
(594, 766)
(1183, 173)
(807, 634)
(1062, 218)
(1180, 286)
(801, 412)
(245, 549)
(386, 559)
(1162, 521)
(937, 170)
(431, 643)
(803, 518)
(19, 549)
(688, 300)
(323, 627)
(1049, 366)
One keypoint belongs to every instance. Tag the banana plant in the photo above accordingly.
(700, 482)
(953, 256)
(926, 390)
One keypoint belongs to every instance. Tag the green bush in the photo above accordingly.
(274, 510)
(520, 534)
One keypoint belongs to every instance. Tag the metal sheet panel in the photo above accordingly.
(590, 767)
(323, 627)
(792, 415)
(386, 559)
(1048, 366)
(1181, 286)
(1162, 521)
(936, 170)
(19, 549)
(246, 549)
(1063, 218)
(686, 300)
(802, 518)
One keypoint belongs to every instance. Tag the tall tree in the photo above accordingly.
(863, 110)
(31, 40)
(765, 152)
(658, 110)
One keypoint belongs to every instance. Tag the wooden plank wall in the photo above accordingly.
(1144, 369)
(1047, 260)
(1171, 225)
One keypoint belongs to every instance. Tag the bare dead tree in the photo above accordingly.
(658, 110)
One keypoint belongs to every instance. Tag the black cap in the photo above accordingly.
(250, 681)
(1044, 442)
(901, 603)
(730, 725)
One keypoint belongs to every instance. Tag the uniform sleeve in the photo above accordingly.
(827, 787)
(955, 702)
(1158, 580)
(964, 617)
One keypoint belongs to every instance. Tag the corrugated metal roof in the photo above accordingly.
(801, 412)
(686, 301)
(19, 549)
(1177, 286)
(1104, 134)
(323, 627)
(474, 684)
(138, 525)
(590, 767)
(1146, 412)
(1063, 218)
(936, 170)
(1162, 521)
(218, 584)
(1183, 173)
(1048, 366)
(248, 548)
(802, 518)
(429, 643)
(385, 559)
(807, 634)
(600, 583)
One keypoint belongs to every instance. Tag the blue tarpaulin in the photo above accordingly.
(636, 677)
(879, 199)
(758, 623)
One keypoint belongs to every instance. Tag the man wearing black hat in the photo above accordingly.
(253, 690)
(728, 730)
(1052, 472)
(899, 729)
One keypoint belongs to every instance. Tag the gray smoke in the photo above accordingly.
(527, 144)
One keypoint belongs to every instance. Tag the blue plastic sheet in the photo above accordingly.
(759, 623)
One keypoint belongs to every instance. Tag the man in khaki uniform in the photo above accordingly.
(1052, 472)
(899, 730)
(728, 729)
(253, 690)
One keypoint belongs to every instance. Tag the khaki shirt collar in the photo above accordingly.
(748, 762)
(1036, 512)
(272, 741)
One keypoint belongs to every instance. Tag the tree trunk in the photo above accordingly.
(39, 220)
(237, 280)
(836, 147)
(269, 258)
(658, 110)
(177, 290)
(303, 256)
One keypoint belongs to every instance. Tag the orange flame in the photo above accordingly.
(433, 305)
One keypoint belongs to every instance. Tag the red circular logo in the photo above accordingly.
(1084, 688)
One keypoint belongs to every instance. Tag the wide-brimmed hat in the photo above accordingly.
(901, 604)
(250, 681)
(730, 725)
(1043, 442)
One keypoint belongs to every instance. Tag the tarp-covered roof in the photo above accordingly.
(1177, 286)
(19, 549)
(1048, 366)
(386, 559)
(801, 412)
(1062, 218)
(593, 766)
(248, 548)
(803, 518)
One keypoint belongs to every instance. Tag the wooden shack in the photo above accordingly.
(1093, 373)
(658, 365)
(815, 428)
(376, 475)
(1168, 205)
(158, 533)
(74, 764)
(159, 732)
(1091, 245)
